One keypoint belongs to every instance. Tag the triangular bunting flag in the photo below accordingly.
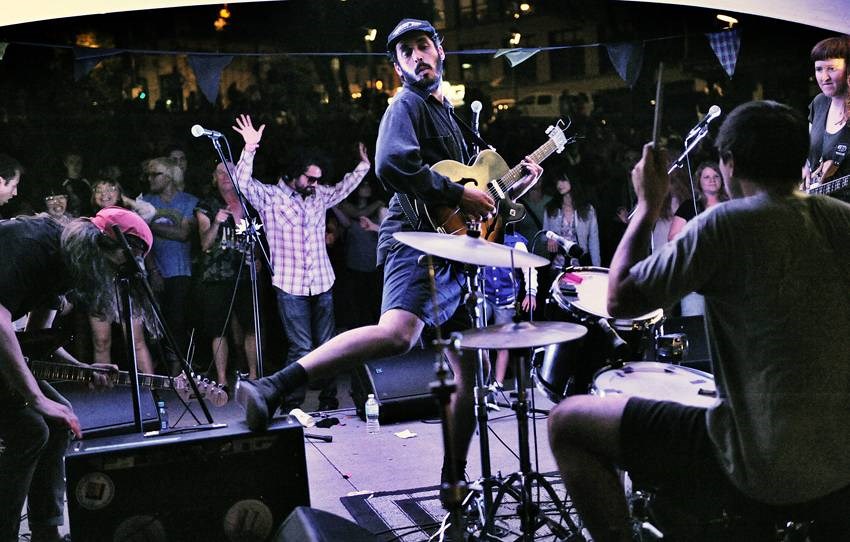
(3, 46)
(86, 58)
(208, 70)
(726, 45)
(516, 56)
(627, 59)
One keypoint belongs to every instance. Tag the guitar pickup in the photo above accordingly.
(499, 192)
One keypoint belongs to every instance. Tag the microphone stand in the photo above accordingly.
(690, 143)
(138, 271)
(252, 237)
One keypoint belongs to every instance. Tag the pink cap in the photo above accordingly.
(127, 221)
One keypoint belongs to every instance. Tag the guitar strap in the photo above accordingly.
(409, 212)
(840, 152)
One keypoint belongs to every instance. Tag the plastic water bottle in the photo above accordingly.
(373, 425)
(162, 410)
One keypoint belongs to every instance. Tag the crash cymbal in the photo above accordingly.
(521, 335)
(467, 249)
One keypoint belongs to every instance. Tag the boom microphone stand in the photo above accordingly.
(138, 271)
(252, 237)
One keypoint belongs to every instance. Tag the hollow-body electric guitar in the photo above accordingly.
(489, 173)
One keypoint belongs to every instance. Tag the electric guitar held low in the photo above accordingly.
(49, 370)
(819, 183)
(490, 173)
(831, 186)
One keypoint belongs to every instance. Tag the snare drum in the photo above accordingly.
(580, 295)
(582, 292)
(659, 381)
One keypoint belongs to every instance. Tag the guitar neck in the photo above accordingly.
(831, 186)
(62, 371)
(516, 173)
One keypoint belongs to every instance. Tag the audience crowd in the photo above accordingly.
(174, 184)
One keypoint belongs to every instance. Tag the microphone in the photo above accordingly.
(198, 131)
(476, 111)
(620, 350)
(713, 113)
(573, 250)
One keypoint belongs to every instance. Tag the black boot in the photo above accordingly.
(259, 398)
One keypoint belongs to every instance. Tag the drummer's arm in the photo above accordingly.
(625, 299)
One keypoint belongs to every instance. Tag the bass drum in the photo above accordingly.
(579, 295)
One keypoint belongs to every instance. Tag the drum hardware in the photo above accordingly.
(671, 348)
(469, 249)
(524, 336)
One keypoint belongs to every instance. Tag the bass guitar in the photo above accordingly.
(490, 173)
(49, 370)
(831, 186)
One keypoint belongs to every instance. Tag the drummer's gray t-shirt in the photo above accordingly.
(775, 272)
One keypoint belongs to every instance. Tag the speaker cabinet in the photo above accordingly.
(311, 525)
(224, 484)
(108, 411)
(400, 384)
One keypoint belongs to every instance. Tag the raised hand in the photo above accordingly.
(364, 156)
(245, 128)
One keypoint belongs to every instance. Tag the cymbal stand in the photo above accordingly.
(453, 491)
(475, 304)
(519, 484)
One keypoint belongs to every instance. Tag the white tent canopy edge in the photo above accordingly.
(17, 12)
(828, 14)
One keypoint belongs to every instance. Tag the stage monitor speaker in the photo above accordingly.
(698, 355)
(223, 484)
(311, 525)
(108, 411)
(400, 384)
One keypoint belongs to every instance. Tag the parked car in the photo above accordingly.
(542, 104)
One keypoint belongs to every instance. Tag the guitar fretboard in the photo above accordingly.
(62, 371)
(516, 173)
(831, 186)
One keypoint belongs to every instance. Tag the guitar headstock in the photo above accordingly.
(209, 390)
(557, 134)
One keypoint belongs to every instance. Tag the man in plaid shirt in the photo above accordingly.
(293, 213)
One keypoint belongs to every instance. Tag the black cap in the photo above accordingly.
(405, 26)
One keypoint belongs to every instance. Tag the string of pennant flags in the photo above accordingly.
(626, 57)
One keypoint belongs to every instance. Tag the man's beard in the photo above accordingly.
(424, 83)
(307, 191)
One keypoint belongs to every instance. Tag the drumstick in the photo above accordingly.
(659, 95)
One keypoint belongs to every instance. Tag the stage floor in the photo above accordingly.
(357, 461)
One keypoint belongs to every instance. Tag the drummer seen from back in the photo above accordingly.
(776, 440)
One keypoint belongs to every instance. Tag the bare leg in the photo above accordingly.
(395, 333)
(251, 355)
(584, 436)
(463, 403)
(501, 369)
(101, 337)
(221, 351)
(143, 353)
